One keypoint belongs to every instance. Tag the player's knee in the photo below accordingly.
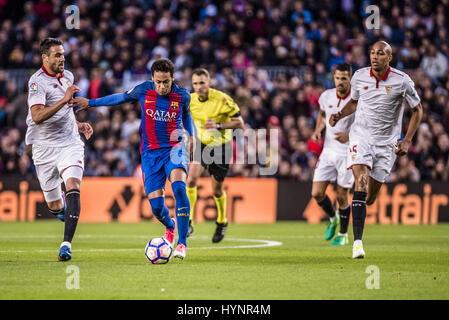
(218, 193)
(342, 200)
(55, 205)
(318, 195)
(191, 182)
(73, 183)
(218, 190)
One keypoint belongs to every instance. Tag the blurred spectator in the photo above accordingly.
(131, 124)
(405, 171)
(434, 63)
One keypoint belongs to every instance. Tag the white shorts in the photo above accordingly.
(52, 162)
(379, 159)
(331, 167)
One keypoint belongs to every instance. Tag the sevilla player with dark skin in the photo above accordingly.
(380, 57)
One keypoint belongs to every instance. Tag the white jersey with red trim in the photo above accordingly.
(378, 119)
(60, 129)
(331, 103)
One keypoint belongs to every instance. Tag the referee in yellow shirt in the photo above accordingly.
(215, 114)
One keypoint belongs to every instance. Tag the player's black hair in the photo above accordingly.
(163, 65)
(47, 43)
(344, 66)
(200, 72)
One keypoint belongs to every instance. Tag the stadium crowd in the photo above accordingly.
(245, 44)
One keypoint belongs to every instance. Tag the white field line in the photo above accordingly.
(111, 236)
(258, 244)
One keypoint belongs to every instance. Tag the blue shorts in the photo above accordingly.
(158, 163)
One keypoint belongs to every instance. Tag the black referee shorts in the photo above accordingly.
(216, 159)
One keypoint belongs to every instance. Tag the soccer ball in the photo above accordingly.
(158, 251)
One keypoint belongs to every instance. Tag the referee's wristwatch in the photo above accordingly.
(219, 126)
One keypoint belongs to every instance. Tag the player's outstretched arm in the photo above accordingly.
(80, 103)
(347, 110)
(415, 120)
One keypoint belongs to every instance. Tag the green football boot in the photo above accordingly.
(331, 227)
(340, 240)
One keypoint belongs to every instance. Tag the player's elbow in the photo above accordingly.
(36, 114)
(419, 111)
(36, 119)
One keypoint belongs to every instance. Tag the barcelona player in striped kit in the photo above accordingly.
(165, 106)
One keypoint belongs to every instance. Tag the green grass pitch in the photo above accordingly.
(282, 261)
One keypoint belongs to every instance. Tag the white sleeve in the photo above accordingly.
(36, 93)
(321, 102)
(410, 94)
(355, 95)
(70, 76)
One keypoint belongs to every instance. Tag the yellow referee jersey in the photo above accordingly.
(220, 107)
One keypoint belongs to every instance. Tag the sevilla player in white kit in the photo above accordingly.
(54, 133)
(377, 97)
(331, 165)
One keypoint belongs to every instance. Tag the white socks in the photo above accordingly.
(66, 243)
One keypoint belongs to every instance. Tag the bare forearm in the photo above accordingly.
(349, 108)
(235, 123)
(415, 120)
(320, 122)
(41, 113)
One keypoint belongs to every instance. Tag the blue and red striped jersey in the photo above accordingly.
(162, 116)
